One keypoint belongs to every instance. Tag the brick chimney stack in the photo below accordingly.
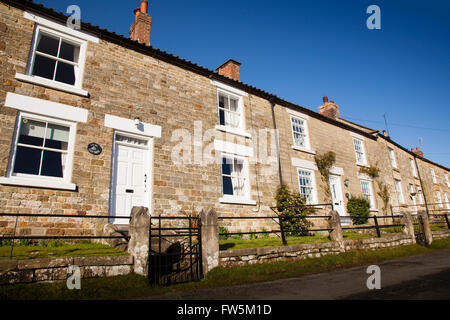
(329, 109)
(418, 152)
(141, 27)
(230, 69)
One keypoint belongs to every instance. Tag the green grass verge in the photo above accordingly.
(133, 286)
(235, 244)
(82, 249)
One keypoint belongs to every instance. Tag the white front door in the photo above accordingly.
(130, 177)
(336, 195)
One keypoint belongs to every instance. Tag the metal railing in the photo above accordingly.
(435, 218)
(278, 219)
(55, 237)
(376, 224)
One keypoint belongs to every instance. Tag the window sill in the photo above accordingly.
(234, 200)
(374, 210)
(362, 165)
(237, 132)
(396, 169)
(303, 150)
(39, 183)
(51, 84)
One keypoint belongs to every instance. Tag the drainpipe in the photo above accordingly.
(421, 185)
(272, 102)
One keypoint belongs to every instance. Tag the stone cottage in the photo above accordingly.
(93, 123)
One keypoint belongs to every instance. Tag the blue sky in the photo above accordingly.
(303, 50)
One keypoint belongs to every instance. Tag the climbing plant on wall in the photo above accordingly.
(324, 164)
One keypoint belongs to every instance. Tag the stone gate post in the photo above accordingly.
(425, 225)
(138, 246)
(210, 240)
(408, 225)
(336, 234)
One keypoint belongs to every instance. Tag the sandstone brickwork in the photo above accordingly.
(130, 83)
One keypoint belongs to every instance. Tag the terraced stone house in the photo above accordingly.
(93, 123)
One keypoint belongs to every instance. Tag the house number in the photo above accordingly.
(94, 148)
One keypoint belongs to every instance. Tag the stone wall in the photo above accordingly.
(52, 269)
(231, 258)
(441, 234)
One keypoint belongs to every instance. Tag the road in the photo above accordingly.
(425, 276)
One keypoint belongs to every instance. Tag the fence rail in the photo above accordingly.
(57, 237)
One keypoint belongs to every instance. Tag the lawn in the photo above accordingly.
(58, 249)
(235, 244)
(133, 286)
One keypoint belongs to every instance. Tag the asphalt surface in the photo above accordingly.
(424, 276)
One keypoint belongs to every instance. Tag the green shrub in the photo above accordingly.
(5, 242)
(223, 230)
(358, 206)
(292, 205)
(237, 236)
(264, 235)
(252, 236)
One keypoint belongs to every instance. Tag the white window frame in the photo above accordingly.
(233, 199)
(313, 187)
(439, 198)
(446, 180)
(447, 204)
(412, 191)
(42, 181)
(419, 194)
(391, 153)
(79, 75)
(240, 130)
(370, 189)
(433, 175)
(363, 152)
(307, 146)
(413, 167)
(399, 191)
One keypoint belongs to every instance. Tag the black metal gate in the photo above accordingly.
(175, 250)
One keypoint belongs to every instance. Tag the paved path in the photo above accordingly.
(425, 276)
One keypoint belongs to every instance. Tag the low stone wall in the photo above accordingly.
(51, 269)
(378, 243)
(441, 234)
(271, 254)
(242, 257)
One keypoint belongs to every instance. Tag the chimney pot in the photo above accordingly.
(144, 6)
(325, 99)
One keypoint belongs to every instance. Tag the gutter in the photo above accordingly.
(421, 186)
(280, 175)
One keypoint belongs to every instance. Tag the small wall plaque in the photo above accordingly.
(94, 148)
